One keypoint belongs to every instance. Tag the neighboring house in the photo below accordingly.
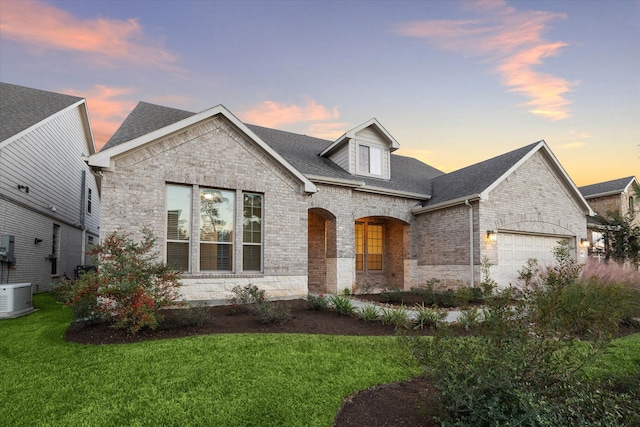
(619, 195)
(233, 204)
(49, 197)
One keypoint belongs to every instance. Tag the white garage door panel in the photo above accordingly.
(514, 250)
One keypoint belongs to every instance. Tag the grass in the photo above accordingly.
(244, 379)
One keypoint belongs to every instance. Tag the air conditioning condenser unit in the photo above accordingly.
(15, 299)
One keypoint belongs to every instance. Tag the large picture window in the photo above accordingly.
(252, 232)
(368, 245)
(216, 229)
(178, 226)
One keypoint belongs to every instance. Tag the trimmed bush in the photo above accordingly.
(129, 287)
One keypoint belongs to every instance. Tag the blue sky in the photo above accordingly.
(455, 82)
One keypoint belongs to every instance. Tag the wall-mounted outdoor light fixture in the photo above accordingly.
(24, 188)
(36, 241)
(584, 243)
(492, 236)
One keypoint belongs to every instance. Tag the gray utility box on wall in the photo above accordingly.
(15, 299)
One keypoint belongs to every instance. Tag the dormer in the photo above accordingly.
(364, 150)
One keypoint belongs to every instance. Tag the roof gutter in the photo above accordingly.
(334, 181)
(608, 193)
(471, 261)
(363, 187)
(459, 201)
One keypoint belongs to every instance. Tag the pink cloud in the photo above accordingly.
(106, 111)
(273, 114)
(43, 27)
(511, 38)
(330, 131)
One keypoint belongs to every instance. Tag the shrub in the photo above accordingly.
(129, 287)
(427, 317)
(525, 366)
(252, 299)
(368, 313)
(463, 296)
(392, 296)
(245, 295)
(269, 312)
(318, 302)
(342, 305)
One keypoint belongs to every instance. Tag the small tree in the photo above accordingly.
(129, 287)
(621, 238)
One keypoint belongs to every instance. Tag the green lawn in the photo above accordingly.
(219, 380)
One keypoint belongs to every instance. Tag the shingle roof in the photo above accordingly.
(615, 186)
(476, 178)
(408, 174)
(22, 107)
(303, 152)
(145, 118)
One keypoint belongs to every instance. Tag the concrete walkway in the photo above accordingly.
(452, 316)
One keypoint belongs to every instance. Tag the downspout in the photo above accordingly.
(83, 246)
(466, 202)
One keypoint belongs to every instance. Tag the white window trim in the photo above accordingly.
(379, 164)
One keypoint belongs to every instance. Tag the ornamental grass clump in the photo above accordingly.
(342, 305)
(368, 313)
(429, 317)
(129, 287)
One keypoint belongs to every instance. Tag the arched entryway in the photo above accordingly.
(322, 260)
(382, 245)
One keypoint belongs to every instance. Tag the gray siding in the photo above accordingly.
(341, 158)
(49, 161)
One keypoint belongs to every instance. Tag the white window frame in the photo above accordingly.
(373, 164)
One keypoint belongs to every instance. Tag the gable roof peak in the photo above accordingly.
(351, 134)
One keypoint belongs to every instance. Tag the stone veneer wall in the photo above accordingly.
(213, 154)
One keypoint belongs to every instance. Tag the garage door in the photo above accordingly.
(514, 250)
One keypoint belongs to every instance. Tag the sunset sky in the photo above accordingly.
(455, 82)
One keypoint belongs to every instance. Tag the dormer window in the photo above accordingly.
(364, 151)
(369, 160)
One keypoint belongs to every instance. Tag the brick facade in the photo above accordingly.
(213, 154)
(309, 239)
(531, 200)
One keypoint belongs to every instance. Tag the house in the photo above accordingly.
(620, 195)
(233, 204)
(49, 197)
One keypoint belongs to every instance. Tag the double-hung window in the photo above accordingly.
(178, 226)
(216, 229)
(252, 232)
(369, 160)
